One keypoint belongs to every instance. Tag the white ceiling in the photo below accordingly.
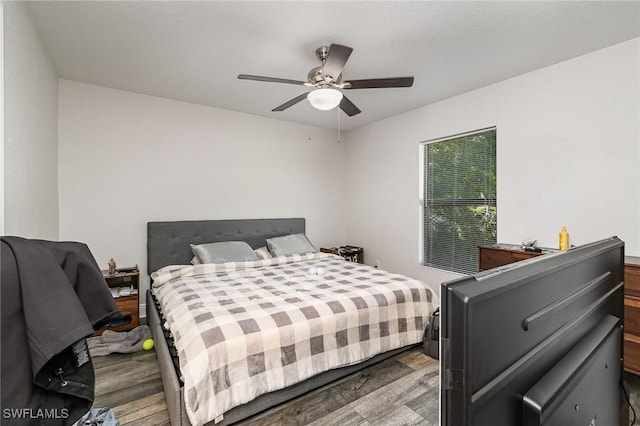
(193, 51)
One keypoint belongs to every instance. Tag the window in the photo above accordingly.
(459, 199)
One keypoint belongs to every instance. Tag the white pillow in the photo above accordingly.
(263, 253)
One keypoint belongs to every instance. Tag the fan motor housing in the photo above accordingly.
(315, 77)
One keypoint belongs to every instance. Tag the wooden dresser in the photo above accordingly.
(503, 254)
(632, 314)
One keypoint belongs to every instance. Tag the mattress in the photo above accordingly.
(243, 329)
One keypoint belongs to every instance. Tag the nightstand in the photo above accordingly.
(350, 253)
(124, 286)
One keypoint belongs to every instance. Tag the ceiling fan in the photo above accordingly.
(326, 79)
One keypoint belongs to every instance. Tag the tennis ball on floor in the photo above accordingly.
(147, 345)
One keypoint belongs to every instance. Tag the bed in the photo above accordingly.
(192, 309)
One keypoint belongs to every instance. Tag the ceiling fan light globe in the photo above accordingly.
(325, 99)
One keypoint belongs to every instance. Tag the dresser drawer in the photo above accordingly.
(128, 305)
(632, 353)
(632, 279)
(489, 257)
(494, 258)
(632, 315)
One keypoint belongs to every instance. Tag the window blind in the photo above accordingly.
(460, 202)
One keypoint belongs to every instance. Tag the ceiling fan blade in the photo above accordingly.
(379, 83)
(336, 58)
(269, 79)
(291, 102)
(349, 107)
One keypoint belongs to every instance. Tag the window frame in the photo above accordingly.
(423, 205)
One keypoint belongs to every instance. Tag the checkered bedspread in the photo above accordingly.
(247, 328)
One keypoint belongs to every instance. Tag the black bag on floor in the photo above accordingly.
(431, 339)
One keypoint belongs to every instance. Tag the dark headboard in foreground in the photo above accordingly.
(168, 242)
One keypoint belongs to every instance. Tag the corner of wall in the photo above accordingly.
(2, 119)
(30, 129)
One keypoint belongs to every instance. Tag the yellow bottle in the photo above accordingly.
(564, 238)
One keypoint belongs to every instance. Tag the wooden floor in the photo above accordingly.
(131, 385)
(399, 391)
(402, 390)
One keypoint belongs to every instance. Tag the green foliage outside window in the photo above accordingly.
(460, 210)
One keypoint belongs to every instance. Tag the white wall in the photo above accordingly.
(2, 119)
(30, 130)
(568, 152)
(126, 159)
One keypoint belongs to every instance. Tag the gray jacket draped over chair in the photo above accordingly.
(53, 297)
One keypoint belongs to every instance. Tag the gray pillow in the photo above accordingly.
(226, 251)
(290, 244)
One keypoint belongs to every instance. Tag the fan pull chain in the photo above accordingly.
(339, 139)
(308, 121)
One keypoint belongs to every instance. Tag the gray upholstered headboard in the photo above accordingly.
(168, 242)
